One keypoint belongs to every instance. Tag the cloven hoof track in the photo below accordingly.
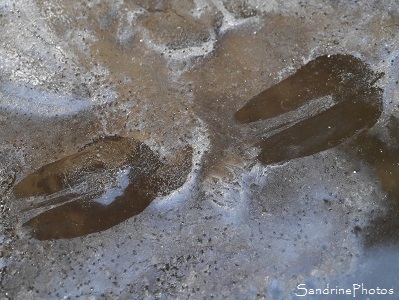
(358, 105)
(147, 177)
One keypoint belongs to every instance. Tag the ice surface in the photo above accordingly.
(119, 100)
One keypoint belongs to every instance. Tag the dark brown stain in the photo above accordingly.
(111, 153)
(321, 132)
(358, 105)
(83, 215)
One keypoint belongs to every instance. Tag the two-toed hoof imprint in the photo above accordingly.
(138, 176)
(82, 199)
(357, 106)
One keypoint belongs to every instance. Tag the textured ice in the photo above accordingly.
(110, 194)
(27, 99)
(171, 75)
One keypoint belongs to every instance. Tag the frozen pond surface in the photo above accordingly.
(199, 149)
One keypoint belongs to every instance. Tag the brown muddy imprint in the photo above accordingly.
(147, 178)
(56, 176)
(358, 105)
(383, 158)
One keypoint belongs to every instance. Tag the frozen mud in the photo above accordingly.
(198, 149)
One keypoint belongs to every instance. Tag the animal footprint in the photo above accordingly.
(105, 184)
(358, 105)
